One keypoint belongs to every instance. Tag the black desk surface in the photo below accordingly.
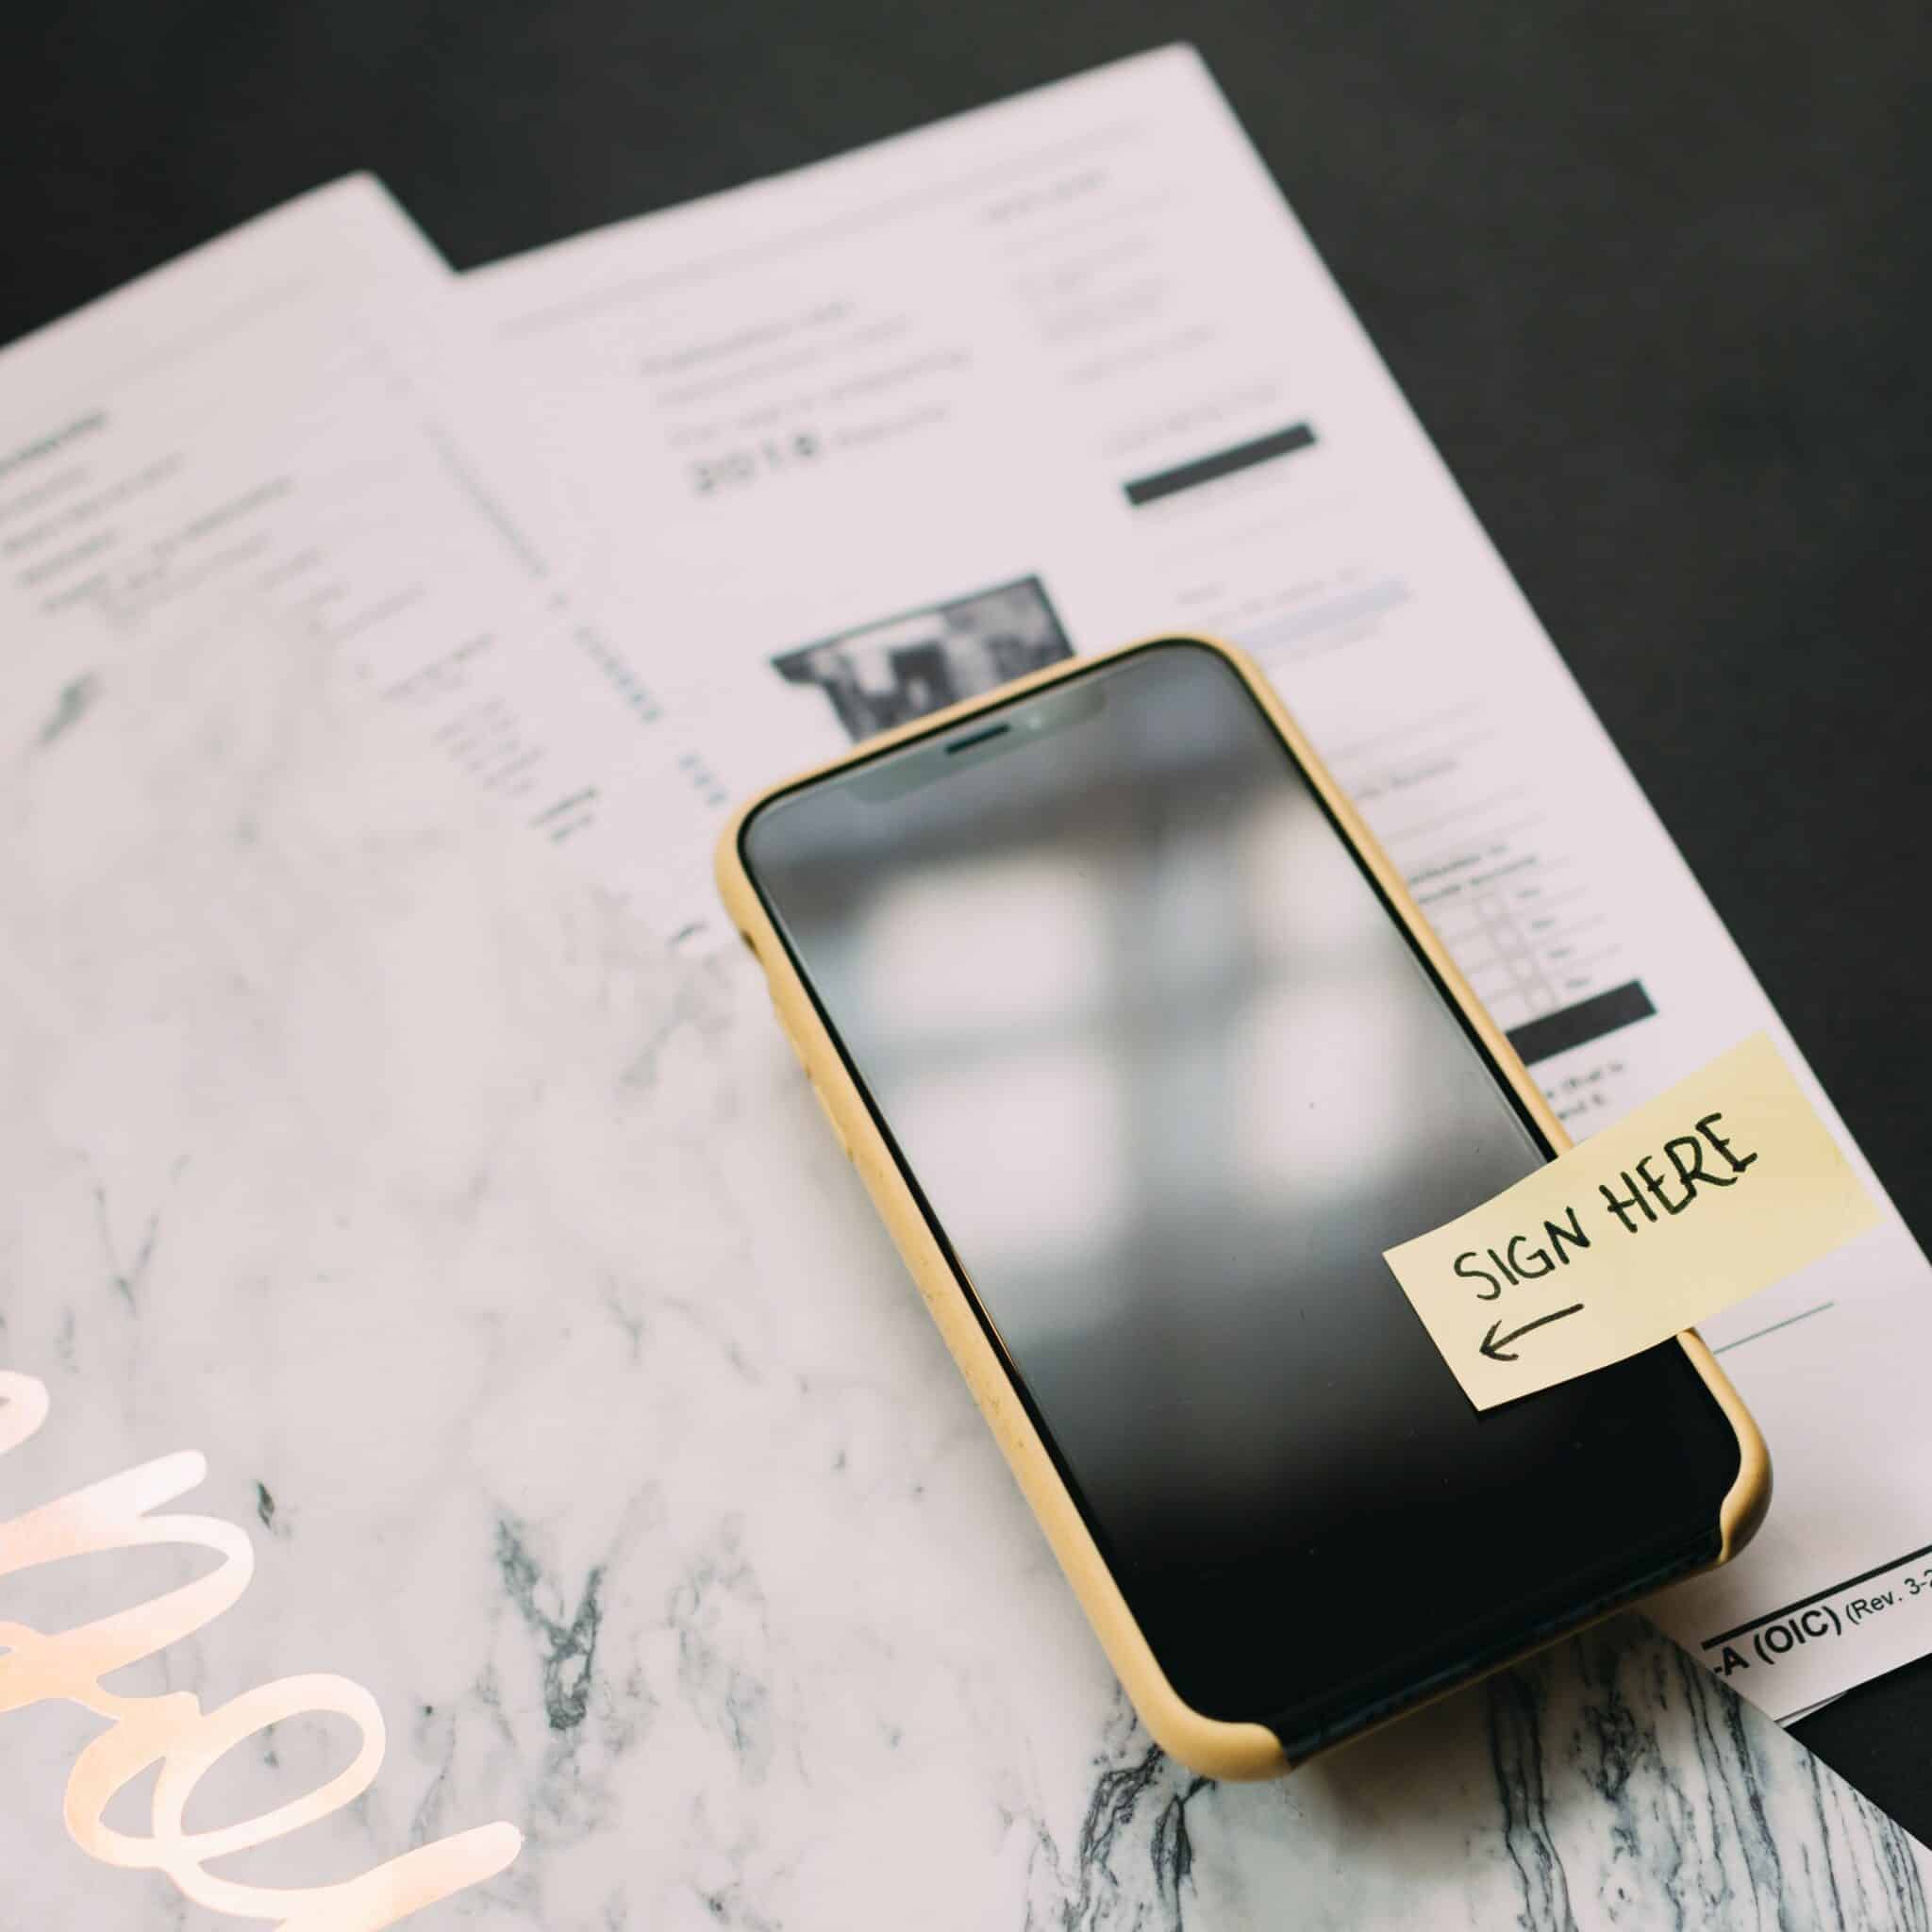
(1660, 287)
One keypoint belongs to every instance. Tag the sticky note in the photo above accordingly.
(1721, 1187)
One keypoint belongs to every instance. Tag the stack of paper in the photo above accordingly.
(637, 522)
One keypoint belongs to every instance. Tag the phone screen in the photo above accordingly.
(1169, 1076)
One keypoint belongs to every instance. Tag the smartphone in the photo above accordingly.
(1145, 1056)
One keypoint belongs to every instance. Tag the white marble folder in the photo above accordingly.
(576, 1409)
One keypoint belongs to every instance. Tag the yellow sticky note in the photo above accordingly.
(1725, 1184)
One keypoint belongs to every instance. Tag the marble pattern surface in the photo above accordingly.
(499, 1263)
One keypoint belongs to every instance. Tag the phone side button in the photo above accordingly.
(818, 1094)
(791, 1038)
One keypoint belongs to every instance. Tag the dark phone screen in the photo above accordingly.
(1170, 1078)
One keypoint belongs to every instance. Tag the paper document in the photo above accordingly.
(1065, 371)
(277, 443)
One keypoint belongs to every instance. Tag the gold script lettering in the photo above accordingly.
(173, 1732)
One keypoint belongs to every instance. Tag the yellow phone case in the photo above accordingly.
(1213, 1746)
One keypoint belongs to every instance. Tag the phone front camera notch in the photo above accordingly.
(973, 738)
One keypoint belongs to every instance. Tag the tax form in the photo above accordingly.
(864, 439)
(277, 443)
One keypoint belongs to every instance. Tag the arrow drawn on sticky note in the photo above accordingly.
(1492, 1343)
(1724, 1185)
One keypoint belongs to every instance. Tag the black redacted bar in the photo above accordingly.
(1591, 1019)
(1224, 462)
